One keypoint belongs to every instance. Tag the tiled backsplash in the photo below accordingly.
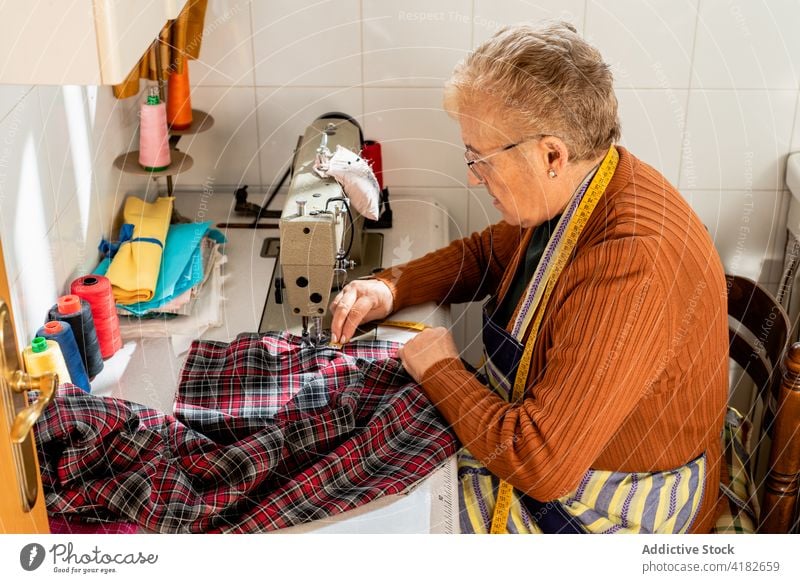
(58, 187)
(708, 93)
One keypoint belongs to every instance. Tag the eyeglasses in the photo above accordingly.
(472, 158)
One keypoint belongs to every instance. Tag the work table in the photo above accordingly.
(146, 370)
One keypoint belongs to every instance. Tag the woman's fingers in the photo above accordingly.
(359, 301)
(359, 310)
(341, 306)
(426, 349)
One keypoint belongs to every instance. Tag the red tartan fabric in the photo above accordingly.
(266, 435)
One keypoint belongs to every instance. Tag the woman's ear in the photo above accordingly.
(557, 154)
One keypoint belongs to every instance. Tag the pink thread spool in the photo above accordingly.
(153, 134)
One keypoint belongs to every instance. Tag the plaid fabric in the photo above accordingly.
(265, 435)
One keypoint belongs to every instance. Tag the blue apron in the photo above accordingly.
(505, 352)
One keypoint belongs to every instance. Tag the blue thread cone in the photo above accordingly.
(78, 314)
(62, 333)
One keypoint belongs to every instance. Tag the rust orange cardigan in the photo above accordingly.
(630, 369)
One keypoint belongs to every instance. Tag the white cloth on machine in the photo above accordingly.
(355, 176)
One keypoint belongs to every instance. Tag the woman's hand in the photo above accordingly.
(425, 349)
(361, 300)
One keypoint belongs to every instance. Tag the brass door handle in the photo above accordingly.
(13, 399)
(19, 382)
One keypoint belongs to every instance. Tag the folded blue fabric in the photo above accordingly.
(181, 265)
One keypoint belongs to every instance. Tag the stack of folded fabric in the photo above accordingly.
(182, 330)
(167, 279)
(136, 259)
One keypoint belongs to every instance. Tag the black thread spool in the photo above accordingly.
(78, 314)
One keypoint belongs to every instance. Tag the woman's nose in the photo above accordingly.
(473, 180)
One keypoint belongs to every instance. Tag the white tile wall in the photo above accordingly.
(85, 129)
(653, 122)
(421, 144)
(58, 188)
(647, 43)
(481, 210)
(747, 45)
(453, 200)
(737, 139)
(307, 42)
(27, 208)
(227, 154)
(748, 228)
(490, 15)
(795, 145)
(775, 263)
(226, 52)
(69, 158)
(414, 43)
(10, 96)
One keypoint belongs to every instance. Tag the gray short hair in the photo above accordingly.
(544, 80)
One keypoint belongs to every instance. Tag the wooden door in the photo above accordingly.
(22, 508)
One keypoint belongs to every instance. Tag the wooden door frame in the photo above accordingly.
(13, 518)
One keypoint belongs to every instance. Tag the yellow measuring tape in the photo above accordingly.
(405, 324)
(564, 250)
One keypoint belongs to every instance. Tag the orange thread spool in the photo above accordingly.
(179, 101)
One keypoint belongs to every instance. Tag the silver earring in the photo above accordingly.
(552, 173)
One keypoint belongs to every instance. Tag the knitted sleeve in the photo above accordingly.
(466, 270)
(607, 335)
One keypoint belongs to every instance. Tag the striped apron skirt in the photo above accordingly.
(604, 501)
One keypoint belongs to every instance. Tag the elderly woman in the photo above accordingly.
(600, 403)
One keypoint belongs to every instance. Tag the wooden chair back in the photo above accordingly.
(759, 329)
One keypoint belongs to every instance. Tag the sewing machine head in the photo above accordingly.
(322, 243)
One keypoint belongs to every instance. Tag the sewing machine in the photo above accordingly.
(322, 239)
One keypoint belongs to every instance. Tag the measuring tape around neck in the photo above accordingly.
(565, 247)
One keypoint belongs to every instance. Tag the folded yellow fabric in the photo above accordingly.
(134, 270)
